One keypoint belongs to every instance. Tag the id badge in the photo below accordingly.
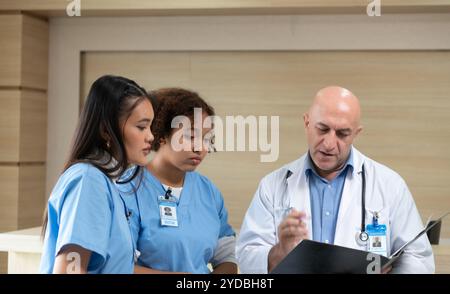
(168, 213)
(377, 239)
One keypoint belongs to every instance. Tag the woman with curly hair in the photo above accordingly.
(196, 231)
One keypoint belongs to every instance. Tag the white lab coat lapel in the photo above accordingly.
(349, 217)
(298, 191)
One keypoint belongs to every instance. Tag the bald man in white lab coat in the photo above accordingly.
(319, 197)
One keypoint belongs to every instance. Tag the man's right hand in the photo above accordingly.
(290, 232)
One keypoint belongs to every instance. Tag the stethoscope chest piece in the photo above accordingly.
(362, 237)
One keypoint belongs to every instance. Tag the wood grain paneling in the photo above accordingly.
(23, 52)
(3, 262)
(9, 125)
(23, 128)
(9, 181)
(23, 121)
(33, 126)
(35, 38)
(32, 198)
(22, 200)
(404, 97)
(10, 50)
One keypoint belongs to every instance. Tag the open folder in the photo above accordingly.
(311, 257)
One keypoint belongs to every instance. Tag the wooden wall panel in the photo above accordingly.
(10, 50)
(404, 97)
(33, 126)
(9, 181)
(23, 121)
(23, 196)
(9, 125)
(22, 200)
(31, 201)
(3, 262)
(23, 127)
(35, 40)
(23, 52)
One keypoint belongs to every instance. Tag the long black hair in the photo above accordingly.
(98, 138)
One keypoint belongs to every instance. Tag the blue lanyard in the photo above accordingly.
(128, 214)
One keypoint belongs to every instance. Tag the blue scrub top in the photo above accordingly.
(202, 221)
(85, 209)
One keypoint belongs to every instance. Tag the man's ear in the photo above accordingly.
(358, 130)
(306, 120)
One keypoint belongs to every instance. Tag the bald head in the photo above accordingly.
(332, 123)
(337, 101)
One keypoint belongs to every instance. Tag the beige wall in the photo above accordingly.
(253, 36)
(404, 96)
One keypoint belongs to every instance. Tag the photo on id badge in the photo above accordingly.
(168, 214)
(167, 211)
(377, 238)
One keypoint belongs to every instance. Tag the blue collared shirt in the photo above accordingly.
(325, 199)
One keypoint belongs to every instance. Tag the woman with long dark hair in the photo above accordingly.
(86, 227)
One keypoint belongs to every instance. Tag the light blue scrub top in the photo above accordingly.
(85, 209)
(202, 221)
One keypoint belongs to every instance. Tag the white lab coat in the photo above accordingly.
(386, 192)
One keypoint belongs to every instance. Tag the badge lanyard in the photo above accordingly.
(168, 209)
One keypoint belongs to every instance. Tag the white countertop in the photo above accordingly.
(28, 240)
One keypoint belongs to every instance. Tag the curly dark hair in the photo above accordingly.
(170, 103)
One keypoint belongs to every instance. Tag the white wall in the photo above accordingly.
(70, 36)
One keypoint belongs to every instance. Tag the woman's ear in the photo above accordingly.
(163, 141)
(105, 136)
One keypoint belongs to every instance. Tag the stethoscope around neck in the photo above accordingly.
(362, 236)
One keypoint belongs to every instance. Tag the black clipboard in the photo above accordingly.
(311, 257)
